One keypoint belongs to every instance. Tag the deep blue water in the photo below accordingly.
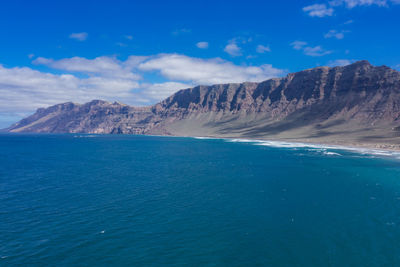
(83, 200)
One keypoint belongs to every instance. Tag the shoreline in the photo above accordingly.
(371, 149)
(379, 149)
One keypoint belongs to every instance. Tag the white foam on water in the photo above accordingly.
(319, 147)
(85, 136)
(237, 140)
(332, 153)
(203, 138)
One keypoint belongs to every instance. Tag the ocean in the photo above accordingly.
(125, 200)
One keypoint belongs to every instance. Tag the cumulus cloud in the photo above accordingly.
(335, 34)
(152, 92)
(24, 89)
(340, 62)
(206, 71)
(323, 10)
(318, 10)
(233, 49)
(79, 36)
(106, 66)
(298, 45)
(262, 49)
(353, 3)
(202, 45)
(181, 31)
(121, 44)
(313, 51)
(316, 51)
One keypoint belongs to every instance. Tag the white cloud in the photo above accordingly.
(31, 56)
(134, 61)
(298, 45)
(353, 3)
(335, 34)
(80, 36)
(318, 10)
(316, 51)
(323, 10)
(181, 31)
(24, 89)
(42, 61)
(129, 37)
(206, 71)
(251, 56)
(233, 49)
(157, 91)
(340, 62)
(106, 66)
(202, 45)
(262, 49)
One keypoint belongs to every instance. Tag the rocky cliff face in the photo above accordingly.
(96, 116)
(358, 100)
(372, 90)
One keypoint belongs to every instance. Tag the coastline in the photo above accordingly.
(385, 150)
(378, 149)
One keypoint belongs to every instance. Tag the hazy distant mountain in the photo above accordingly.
(355, 103)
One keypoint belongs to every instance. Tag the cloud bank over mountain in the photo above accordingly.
(80, 79)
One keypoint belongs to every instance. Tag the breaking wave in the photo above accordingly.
(324, 149)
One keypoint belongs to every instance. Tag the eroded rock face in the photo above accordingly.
(357, 94)
(94, 117)
(372, 91)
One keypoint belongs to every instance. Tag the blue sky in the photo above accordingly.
(139, 52)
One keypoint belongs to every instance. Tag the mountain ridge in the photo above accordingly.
(354, 103)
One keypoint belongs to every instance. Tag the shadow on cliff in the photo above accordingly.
(303, 118)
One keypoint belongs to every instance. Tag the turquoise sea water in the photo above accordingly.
(102, 200)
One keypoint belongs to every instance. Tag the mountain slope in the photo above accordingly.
(358, 103)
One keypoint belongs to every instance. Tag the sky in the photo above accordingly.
(140, 52)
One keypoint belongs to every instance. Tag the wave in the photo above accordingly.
(85, 136)
(329, 153)
(324, 149)
(204, 138)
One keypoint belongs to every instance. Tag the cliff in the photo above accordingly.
(355, 103)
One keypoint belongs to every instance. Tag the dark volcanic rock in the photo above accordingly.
(322, 102)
